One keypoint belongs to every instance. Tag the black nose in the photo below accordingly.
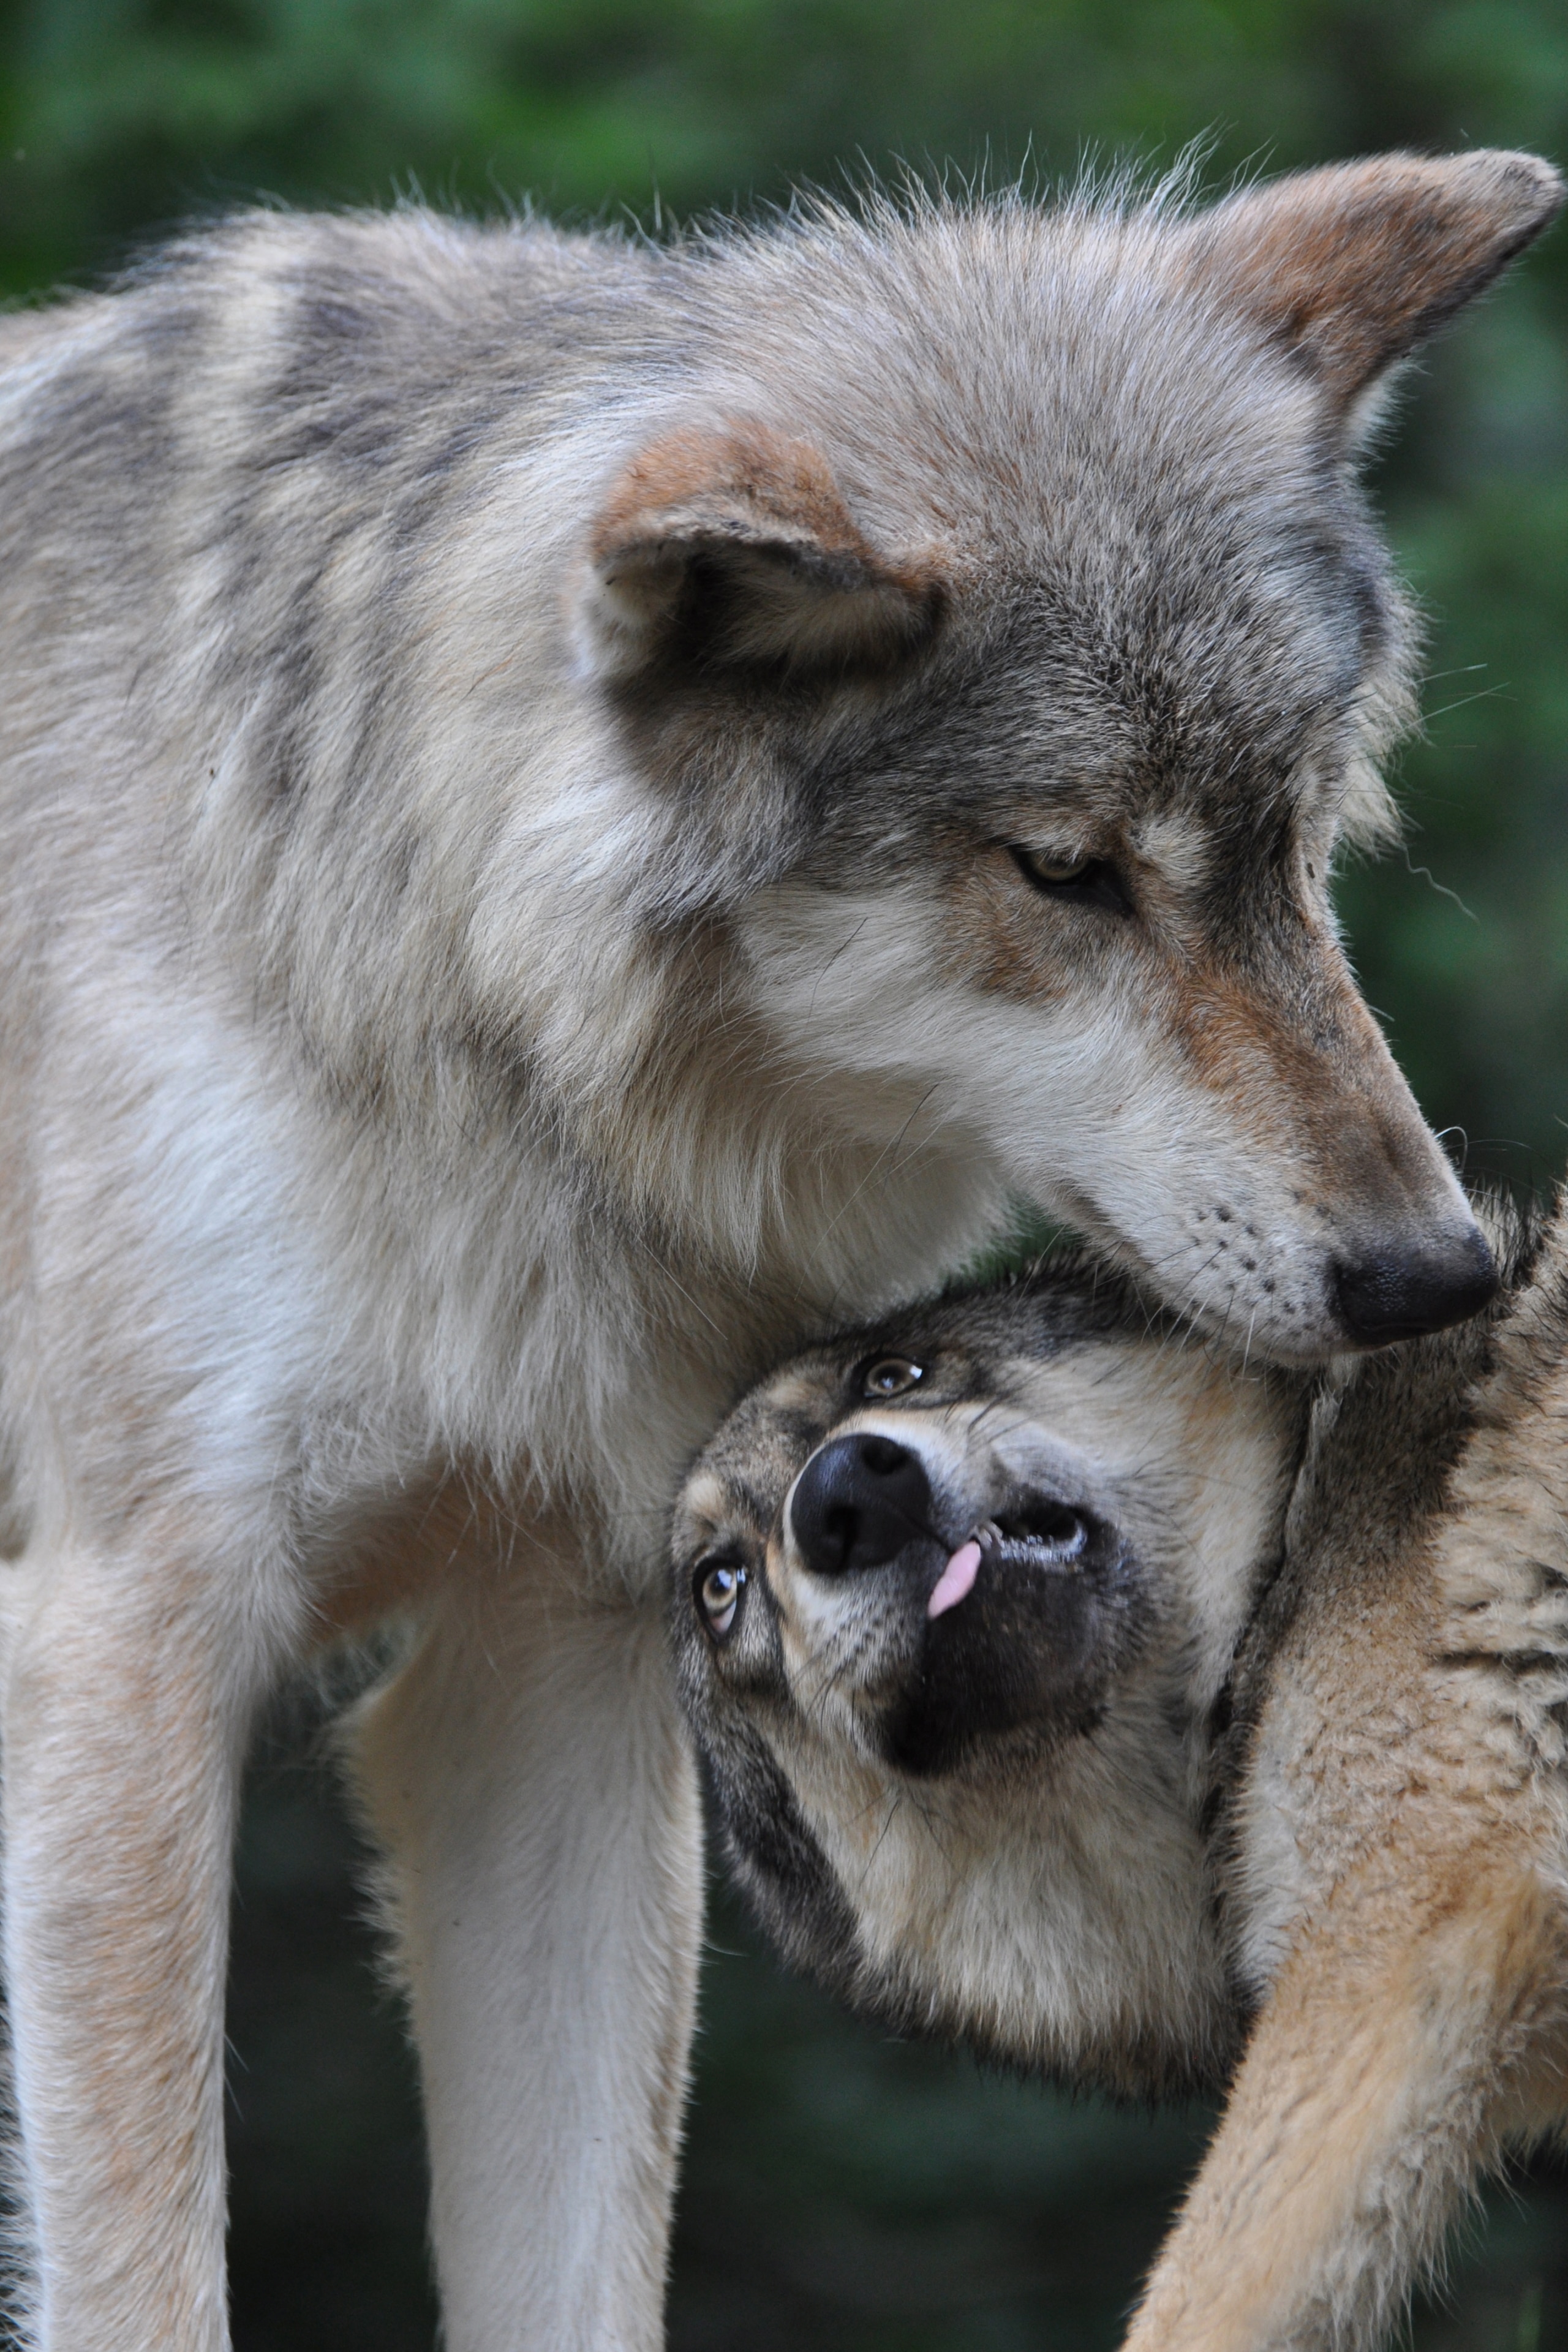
(858, 1503)
(1402, 1292)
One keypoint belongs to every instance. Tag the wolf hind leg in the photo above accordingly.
(529, 1779)
(1376, 2087)
(128, 1695)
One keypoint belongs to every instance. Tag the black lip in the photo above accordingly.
(1030, 1648)
(1034, 1555)
(1036, 1529)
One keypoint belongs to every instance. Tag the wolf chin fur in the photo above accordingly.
(570, 810)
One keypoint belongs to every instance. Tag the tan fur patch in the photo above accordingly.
(741, 494)
(1352, 265)
(1381, 2071)
(747, 479)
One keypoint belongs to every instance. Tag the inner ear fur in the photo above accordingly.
(1353, 266)
(732, 546)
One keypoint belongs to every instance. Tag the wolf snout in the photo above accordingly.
(1405, 1288)
(860, 1502)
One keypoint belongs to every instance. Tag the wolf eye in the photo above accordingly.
(719, 1585)
(1091, 881)
(890, 1376)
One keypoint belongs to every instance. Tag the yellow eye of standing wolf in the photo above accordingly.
(1089, 879)
(892, 1376)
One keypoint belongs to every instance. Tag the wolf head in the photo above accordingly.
(951, 1600)
(1004, 634)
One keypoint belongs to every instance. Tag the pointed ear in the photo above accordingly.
(1353, 265)
(732, 546)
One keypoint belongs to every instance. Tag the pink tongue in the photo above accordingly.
(956, 1579)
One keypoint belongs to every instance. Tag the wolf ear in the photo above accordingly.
(733, 547)
(1352, 267)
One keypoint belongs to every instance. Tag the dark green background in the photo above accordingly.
(843, 2192)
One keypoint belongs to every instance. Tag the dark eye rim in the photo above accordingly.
(861, 1377)
(1095, 883)
(700, 1573)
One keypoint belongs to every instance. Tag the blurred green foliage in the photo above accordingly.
(842, 2190)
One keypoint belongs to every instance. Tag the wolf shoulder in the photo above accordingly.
(375, 355)
(269, 509)
(1410, 1659)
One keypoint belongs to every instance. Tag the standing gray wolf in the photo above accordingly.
(570, 811)
(1065, 1689)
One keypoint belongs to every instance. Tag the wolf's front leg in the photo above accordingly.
(1411, 2032)
(529, 1777)
(128, 1692)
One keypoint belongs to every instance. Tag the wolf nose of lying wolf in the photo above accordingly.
(858, 1503)
(1403, 1292)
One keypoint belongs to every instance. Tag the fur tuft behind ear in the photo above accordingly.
(733, 547)
(1352, 267)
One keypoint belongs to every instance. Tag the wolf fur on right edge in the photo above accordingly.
(1311, 1828)
(569, 811)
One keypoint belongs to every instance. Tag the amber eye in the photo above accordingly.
(1091, 881)
(1053, 872)
(719, 1586)
(890, 1376)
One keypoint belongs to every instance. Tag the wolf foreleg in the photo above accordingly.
(128, 1695)
(1377, 2082)
(531, 1781)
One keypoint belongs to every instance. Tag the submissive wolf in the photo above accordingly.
(1067, 1689)
(569, 810)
